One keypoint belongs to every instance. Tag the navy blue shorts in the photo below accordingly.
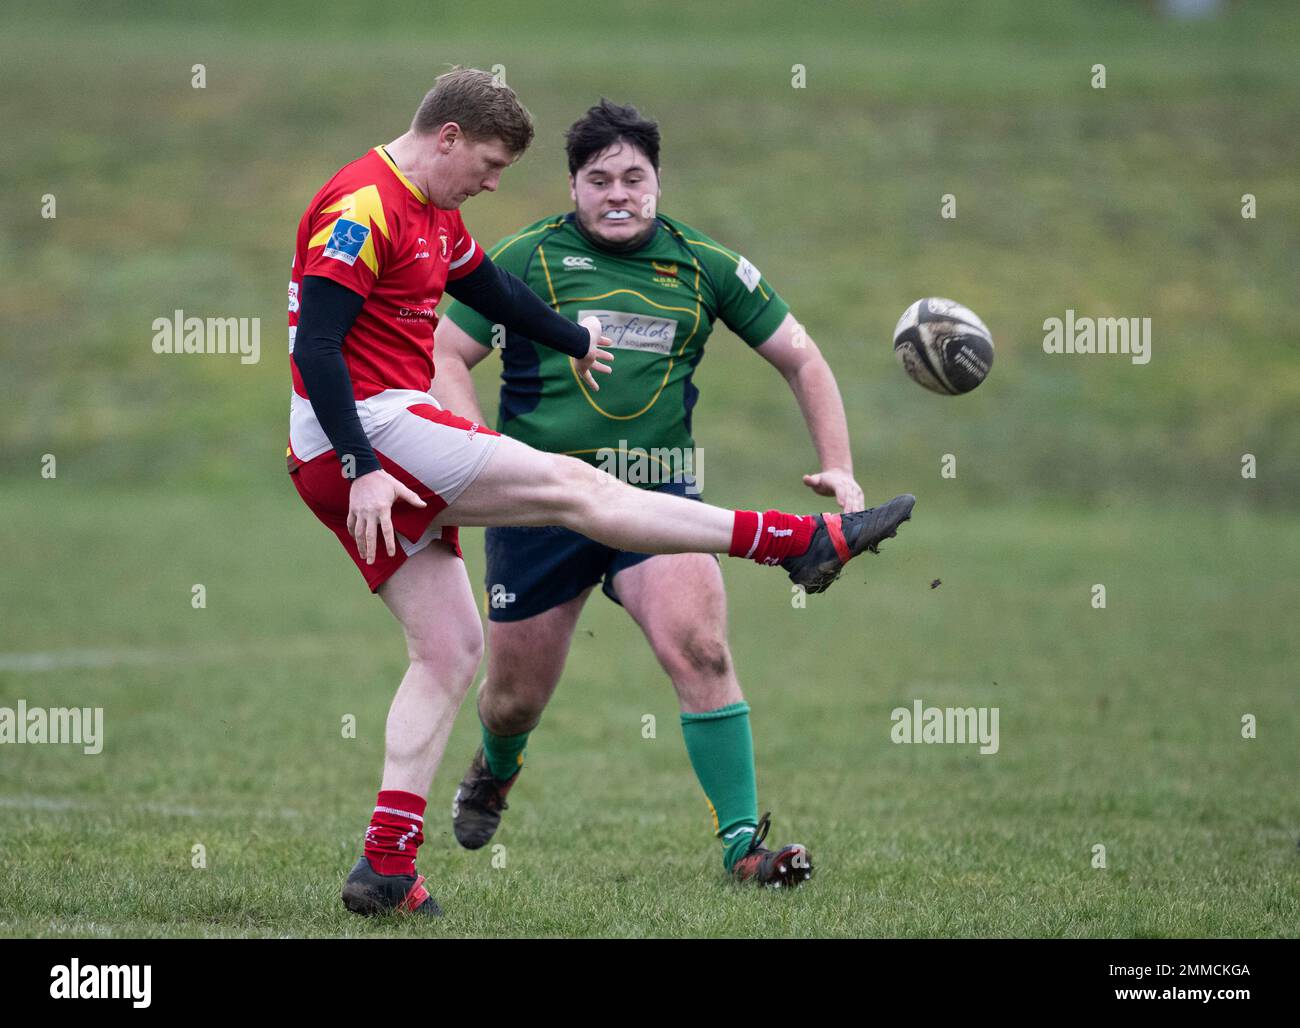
(531, 570)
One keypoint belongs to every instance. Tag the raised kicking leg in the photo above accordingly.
(522, 486)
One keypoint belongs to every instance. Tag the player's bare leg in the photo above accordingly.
(525, 661)
(431, 598)
(680, 604)
(522, 486)
(430, 595)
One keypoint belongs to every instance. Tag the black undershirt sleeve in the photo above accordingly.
(504, 298)
(328, 309)
(326, 312)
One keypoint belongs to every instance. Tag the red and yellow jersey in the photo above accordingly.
(372, 230)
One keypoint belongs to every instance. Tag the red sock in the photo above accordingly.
(770, 537)
(395, 833)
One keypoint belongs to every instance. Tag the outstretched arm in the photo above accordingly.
(504, 298)
(793, 353)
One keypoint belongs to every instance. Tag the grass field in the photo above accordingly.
(1119, 727)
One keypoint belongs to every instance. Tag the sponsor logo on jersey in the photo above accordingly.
(293, 297)
(635, 331)
(748, 274)
(421, 248)
(423, 311)
(579, 263)
(359, 210)
(346, 241)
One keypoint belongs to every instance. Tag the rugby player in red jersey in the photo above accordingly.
(390, 472)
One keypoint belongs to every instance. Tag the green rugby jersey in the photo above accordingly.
(657, 304)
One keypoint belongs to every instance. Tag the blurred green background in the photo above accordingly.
(1072, 470)
(1122, 201)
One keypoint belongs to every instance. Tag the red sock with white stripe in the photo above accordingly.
(395, 833)
(771, 536)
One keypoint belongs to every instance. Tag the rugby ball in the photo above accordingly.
(943, 346)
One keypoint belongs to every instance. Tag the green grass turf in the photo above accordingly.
(1118, 726)
(222, 725)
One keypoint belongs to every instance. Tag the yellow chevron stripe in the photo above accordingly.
(507, 243)
(730, 256)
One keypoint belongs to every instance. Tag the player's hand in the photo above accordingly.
(595, 354)
(838, 483)
(370, 510)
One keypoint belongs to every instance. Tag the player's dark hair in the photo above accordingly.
(481, 104)
(606, 124)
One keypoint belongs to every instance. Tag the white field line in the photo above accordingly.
(59, 660)
(297, 648)
(54, 804)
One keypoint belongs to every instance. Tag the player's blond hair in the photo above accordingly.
(481, 104)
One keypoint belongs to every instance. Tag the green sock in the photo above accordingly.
(721, 749)
(504, 753)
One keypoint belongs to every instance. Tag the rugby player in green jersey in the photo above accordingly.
(657, 287)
